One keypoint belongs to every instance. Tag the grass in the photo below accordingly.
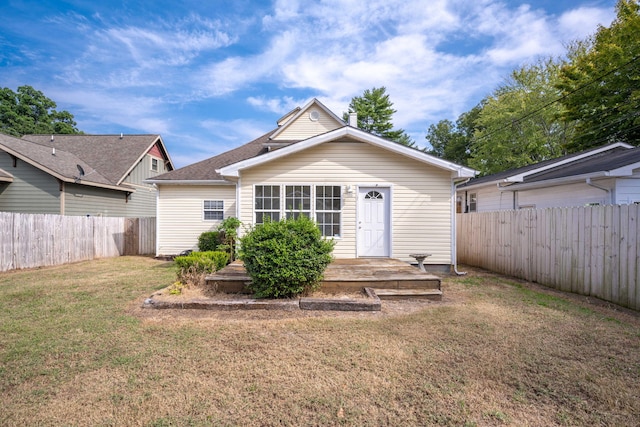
(76, 349)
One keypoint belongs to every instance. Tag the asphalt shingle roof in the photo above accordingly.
(205, 170)
(108, 155)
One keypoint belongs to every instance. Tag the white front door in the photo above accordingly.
(374, 222)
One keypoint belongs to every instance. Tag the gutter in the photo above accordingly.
(608, 190)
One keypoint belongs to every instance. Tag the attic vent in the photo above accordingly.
(314, 116)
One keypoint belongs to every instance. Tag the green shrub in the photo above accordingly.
(285, 258)
(209, 241)
(192, 269)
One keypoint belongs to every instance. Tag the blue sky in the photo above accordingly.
(211, 75)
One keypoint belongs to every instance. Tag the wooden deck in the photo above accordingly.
(390, 278)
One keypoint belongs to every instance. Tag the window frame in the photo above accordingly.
(157, 164)
(313, 211)
(212, 210)
(473, 202)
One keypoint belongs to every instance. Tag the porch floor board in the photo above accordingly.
(343, 275)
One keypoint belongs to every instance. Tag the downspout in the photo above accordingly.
(589, 183)
(454, 234)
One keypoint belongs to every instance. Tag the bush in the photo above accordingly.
(209, 241)
(285, 258)
(192, 268)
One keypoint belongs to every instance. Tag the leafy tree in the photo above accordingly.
(601, 82)
(29, 111)
(375, 113)
(453, 141)
(519, 123)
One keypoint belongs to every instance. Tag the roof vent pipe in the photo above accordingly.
(353, 120)
(121, 135)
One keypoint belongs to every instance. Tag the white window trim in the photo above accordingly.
(157, 160)
(283, 211)
(204, 210)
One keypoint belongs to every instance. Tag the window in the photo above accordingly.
(328, 209)
(297, 201)
(213, 210)
(154, 164)
(267, 202)
(473, 202)
(322, 202)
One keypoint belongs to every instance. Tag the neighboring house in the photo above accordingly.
(98, 175)
(375, 197)
(601, 176)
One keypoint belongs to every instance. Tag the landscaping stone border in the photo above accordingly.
(372, 303)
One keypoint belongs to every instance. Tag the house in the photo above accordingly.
(98, 175)
(375, 197)
(601, 176)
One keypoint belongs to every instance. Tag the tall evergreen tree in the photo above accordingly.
(29, 111)
(375, 114)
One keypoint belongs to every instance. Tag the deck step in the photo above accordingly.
(434, 294)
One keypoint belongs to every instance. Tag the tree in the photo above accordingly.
(29, 111)
(453, 141)
(375, 113)
(520, 124)
(601, 82)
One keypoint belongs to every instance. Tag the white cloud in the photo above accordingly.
(276, 105)
(583, 21)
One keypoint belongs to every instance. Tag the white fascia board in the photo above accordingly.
(358, 135)
(520, 177)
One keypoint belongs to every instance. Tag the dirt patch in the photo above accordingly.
(388, 307)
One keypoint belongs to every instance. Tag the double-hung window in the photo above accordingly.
(328, 209)
(213, 210)
(267, 203)
(297, 201)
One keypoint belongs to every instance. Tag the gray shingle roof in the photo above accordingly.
(109, 155)
(205, 170)
(602, 162)
(499, 176)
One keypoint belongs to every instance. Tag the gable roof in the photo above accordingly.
(114, 156)
(351, 133)
(527, 173)
(265, 148)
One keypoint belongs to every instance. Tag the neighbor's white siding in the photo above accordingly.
(303, 127)
(577, 194)
(180, 214)
(421, 194)
(628, 190)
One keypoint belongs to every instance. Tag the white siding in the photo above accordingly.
(628, 190)
(180, 214)
(303, 127)
(421, 194)
(578, 194)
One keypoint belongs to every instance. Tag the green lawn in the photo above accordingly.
(76, 349)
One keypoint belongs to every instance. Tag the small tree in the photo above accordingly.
(229, 229)
(285, 258)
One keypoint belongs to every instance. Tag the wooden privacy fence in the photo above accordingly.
(28, 240)
(586, 250)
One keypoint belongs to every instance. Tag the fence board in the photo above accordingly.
(28, 240)
(590, 250)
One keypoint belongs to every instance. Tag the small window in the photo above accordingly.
(154, 164)
(473, 202)
(213, 210)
